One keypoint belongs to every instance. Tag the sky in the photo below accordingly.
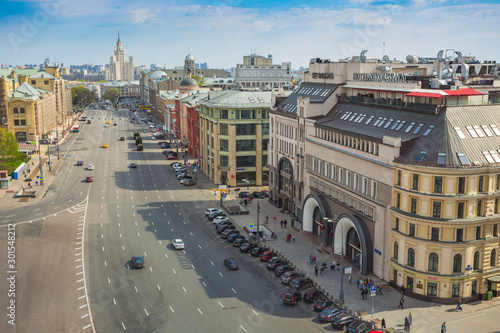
(221, 32)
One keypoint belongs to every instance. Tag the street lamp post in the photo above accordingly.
(341, 296)
(40, 161)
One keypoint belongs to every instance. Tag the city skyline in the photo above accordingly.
(163, 33)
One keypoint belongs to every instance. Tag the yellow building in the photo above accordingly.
(234, 136)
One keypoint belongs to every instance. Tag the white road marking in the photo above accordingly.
(105, 263)
(203, 283)
(220, 304)
(79, 280)
(155, 231)
(151, 269)
(171, 309)
(212, 263)
(158, 286)
(136, 289)
(454, 321)
(243, 328)
(114, 301)
(221, 274)
(255, 312)
(166, 255)
(179, 213)
(119, 224)
(36, 209)
(199, 246)
(103, 249)
(138, 234)
(192, 266)
(102, 236)
(234, 291)
(10, 216)
(80, 288)
(199, 311)
(123, 248)
(135, 223)
(172, 229)
(147, 314)
(78, 267)
(81, 297)
(109, 280)
(184, 222)
(191, 233)
(173, 270)
(120, 235)
(123, 326)
(83, 306)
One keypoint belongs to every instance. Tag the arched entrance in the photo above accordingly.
(21, 137)
(315, 209)
(352, 238)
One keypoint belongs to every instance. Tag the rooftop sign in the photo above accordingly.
(322, 76)
(384, 77)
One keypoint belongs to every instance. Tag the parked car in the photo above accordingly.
(232, 237)
(258, 195)
(172, 157)
(228, 232)
(265, 193)
(165, 145)
(247, 247)
(90, 167)
(244, 195)
(289, 276)
(312, 294)
(238, 241)
(343, 320)
(223, 227)
(210, 210)
(275, 262)
(359, 326)
(137, 262)
(178, 244)
(122, 138)
(267, 255)
(301, 283)
(181, 175)
(189, 182)
(292, 296)
(79, 163)
(162, 142)
(327, 314)
(220, 219)
(257, 251)
(231, 263)
(213, 215)
(282, 269)
(185, 180)
(133, 165)
(322, 304)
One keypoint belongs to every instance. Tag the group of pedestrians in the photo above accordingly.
(283, 223)
(408, 322)
(289, 238)
(321, 269)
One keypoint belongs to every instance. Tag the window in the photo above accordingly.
(265, 144)
(398, 200)
(374, 189)
(223, 128)
(265, 128)
(495, 230)
(412, 230)
(457, 263)
(22, 111)
(327, 169)
(33, 82)
(435, 234)
(478, 232)
(413, 207)
(411, 257)
(23, 122)
(461, 185)
(496, 206)
(224, 160)
(246, 161)
(398, 181)
(420, 156)
(245, 145)
(463, 159)
(396, 224)
(16, 111)
(245, 129)
(455, 290)
(479, 208)
(436, 209)
(475, 264)
(441, 160)
(334, 172)
(396, 250)
(497, 183)
(224, 145)
(438, 184)
(348, 178)
(493, 258)
(364, 187)
(433, 262)
(414, 185)
(460, 210)
(315, 162)
(16, 122)
(46, 82)
(432, 289)
(223, 114)
(246, 114)
(341, 175)
(480, 184)
(460, 235)
(355, 185)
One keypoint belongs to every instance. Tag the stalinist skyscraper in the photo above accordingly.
(119, 69)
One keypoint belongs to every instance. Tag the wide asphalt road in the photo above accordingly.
(138, 212)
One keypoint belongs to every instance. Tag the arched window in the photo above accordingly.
(411, 257)
(16, 111)
(396, 250)
(433, 262)
(22, 111)
(493, 258)
(457, 263)
(475, 264)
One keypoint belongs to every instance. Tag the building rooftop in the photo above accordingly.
(316, 92)
(238, 99)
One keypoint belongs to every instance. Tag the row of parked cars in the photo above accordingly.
(297, 281)
(182, 175)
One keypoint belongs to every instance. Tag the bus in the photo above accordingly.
(75, 129)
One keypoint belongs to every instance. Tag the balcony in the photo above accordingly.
(392, 104)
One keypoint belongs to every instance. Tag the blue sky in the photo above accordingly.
(220, 32)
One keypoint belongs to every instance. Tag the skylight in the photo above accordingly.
(420, 156)
(388, 123)
(463, 159)
(378, 120)
(495, 156)
(409, 127)
(488, 157)
(495, 129)
(428, 130)
(260, 99)
(400, 125)
(479, 131)
(472, 132)
(395, 124)
(361, 119)
(382, 122)
(251, 99)
(368, 121)
(487, 130)
(441, 159)
(352, 117)
(418, 128)
(461, 134)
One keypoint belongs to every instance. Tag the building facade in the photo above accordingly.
(119, 68)
(258, 72)
(234, 136)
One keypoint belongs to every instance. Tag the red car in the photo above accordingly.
(265, 193)
(265, 256)
(171, 157)
(89, 179)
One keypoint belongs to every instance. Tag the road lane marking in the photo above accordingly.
(212, 263)
(166, 255)
(136, 289)
(199, 311)
(147, 314)
(78, 248)
(155, 231)
(84, 316)
(192, 266)
(221, 274)
(220, 304)
(114, 301)
(191, 233)
(120, 235)
(243, 328)
(105, 263)
(79, 280)
(81, 297)
(83, 306)
(203, 283)
(80, 288)
(109, 280)
(234, 291)
(171, 309)
(138, 234)
(184, 222)
(173, 270)
(123, 325)
(199, 246)
(103, 249)
(123, 248)
(78, 267)
(10, 216)
(158, 286)
(255, 312)
(36, 209)
(136, 224)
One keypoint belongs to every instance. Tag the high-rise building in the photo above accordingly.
(119, 69)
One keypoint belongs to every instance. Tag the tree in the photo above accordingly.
(8, 146)
(82, 96)
(112, 94)
(200, 79)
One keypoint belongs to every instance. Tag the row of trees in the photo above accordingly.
(82, 96)
(9, 153)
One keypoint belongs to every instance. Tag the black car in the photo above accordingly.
(223, 227)
(137, 262)
(257, 251)
(244, 195)
(343, 320)
(79, 163)
(257, 195)
(292, 296)
(282, 269)
(162, 142)
(359, 326)
(302, 283)
(231, 263)
(328, 313)
(228, 232)
(275, 262)
(233, 236)
(133, 165)
(289, 276)
(311, 295)
(247, 247)
(238, 241)
(322, 304)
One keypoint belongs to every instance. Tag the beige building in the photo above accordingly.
(259, 72)
(119, 68)
(234, 136)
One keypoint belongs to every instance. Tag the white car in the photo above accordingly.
(210, 210)
(178, 244)
(220, 219)
(153, 138)
(90, 167)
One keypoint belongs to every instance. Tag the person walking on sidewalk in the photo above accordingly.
(293, 237)
(443, 327)
(459, 304)
(321, 270)
(410, 321)
(402, 302)
(407, 325)
(311, 259)
(285, 222)
(316, 270)
(363, 293)
(281, 224)
(332, 266)
(382, 324)
(350, 278)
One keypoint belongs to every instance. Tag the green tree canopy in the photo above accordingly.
(200, 79)
(8, 146)
(82, 96)
(112, 94)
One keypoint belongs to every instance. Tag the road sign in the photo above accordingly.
(215, 194)
(58, 148)
(373, 290)
(348, 270)
(251, 226)
(222, 188)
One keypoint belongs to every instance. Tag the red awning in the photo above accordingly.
(462, 92)
(425, 94)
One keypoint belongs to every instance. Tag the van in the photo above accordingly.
(25, 152)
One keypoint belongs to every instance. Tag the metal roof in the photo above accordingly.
(237, 99)
(317, 93)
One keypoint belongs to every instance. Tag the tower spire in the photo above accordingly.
(118, 35)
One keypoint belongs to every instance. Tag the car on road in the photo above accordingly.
(137, 262)
(265, 193)
(275, 262)
(90, 167)
(312, 294)
(210, 210)
(180, 169)
(359, 326)
(172, 157)
(267, 255)
(237, 242)
(178, 244)
(213, 215)
(343, 320)
(223, 227)
(220, 219)
(122, 138)
(185, 180)
(89, 179)
(247, 247)
(231, 263)
(189, 182)
(175, 164)
(133, 165)
(181, 175)
(257, 251)
(165, 145)
(79, 163)
(292, 296)
(104, 145)
(162, 142)
(301, 283)
(115, 124)
(228, 232)
(244, 195)
(328, 313)
(279, 270)
(257, 195)
(322, 304)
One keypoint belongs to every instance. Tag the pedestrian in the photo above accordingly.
(332, 266)
(285, 222)
(338, 265)
(350, 278)
(267, 219)
(363, 291)
(406, 325)
(293, 237)
(402, 302)
(443, 327)
(272, 235)
(281, 224)
(264, 239)
(29, 185)
(321, 271)
(293, 222)
(311, 259)
(402, 289)
(459, 304)
(410, 321)
(379, 288)
(314, 259)
(382, 323)
(316, 270)
(288, 237)
(324, 266)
